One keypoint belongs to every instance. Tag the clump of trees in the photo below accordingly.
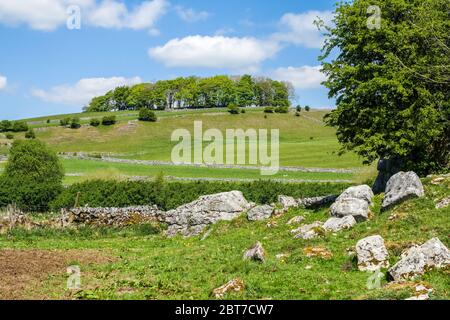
(109, 120)
(32, 177)
(14, 126)
(195, 92)
(392, 83)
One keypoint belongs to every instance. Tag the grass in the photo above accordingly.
(150, 266)
(304, 141)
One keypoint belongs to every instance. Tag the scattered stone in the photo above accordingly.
(316, 201)
(357, 208)
(287, 202)
(296, 220)
(422, 292)
(372, 253)
(192, 218)
(444, 203)
(235, 285)
(308, 231)
(438, 180)
(418, 259)
(260, 213)
(308, 267)
(255, 253)
(400, 187)
(317, 252)
(363, 192)
(337, 224)
(272, 224)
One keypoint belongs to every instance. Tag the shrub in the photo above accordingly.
(269, 110)
(147, 115)
(298, 108)
(108, 120)
(32, 177)
(307, 108)
(48, 120)
(94, 122)
(9, 136)
(75, 123)
(5, 125)
(20, 126)
(30, 134)
(233, 109)
(64, 122)
(243, 110)
(282, 109)
(169, 195)
(297, 114)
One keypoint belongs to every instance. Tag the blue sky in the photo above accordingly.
(46, 68)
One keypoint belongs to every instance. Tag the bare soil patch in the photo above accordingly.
(22, 272)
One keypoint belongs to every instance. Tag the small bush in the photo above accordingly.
(94, 122)
(269, 110)
(6, 125)
(109, 120)
(64, 122)
(20, 126)
(30, 134)
(147, 115)
(297, 114)
(282, 109)
(9, 136)
(307, 108)
(75, 123)
(243, 110)
(298, 108)
(48, 121)
(233, 109)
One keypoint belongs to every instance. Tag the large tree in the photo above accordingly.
(391, 81)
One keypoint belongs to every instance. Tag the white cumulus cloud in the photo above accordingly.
(305, 77)
(83, 91)
(190, 15)
(3, 82)
(300, 29)
(51, 14)
(215, 52)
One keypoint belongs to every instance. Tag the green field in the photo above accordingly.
(143, 264)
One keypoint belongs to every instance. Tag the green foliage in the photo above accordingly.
(298, 108)
(64, 122)
(75, 123)
(5, 126)
(283, 109)
(391, 84)
(19, 126)
(94, 122)
(108, 120)
(147, 115)
(9, 136)
(32, 177)
(30, 134)
(193, 92)
(233, 109)
(99, 193)
(307, 108)
(269, 110)
(297, 114)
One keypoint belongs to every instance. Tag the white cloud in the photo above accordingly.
(190, 15)
(305, 77)
(83, 91)
(214, 52)
(51, 14)
(299, 28)
(3, 82)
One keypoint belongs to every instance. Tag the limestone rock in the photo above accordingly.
(287, 202)
(357, 208)
(260, 213)
(418, 259)
(308, 231)
(296, 220)
(337, 224)
(386, 169)
(372, 253)
(235, 285)
(315, 202)
(400, 187)
(191, 219)
(363, 192)
(443, 203)
(256, 253)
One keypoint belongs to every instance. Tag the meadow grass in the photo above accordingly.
(149, 266)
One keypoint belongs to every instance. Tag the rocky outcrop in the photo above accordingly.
(354, 201)
(386, 169)
(192, 218)
(400, 187)
(337, 224)
(418, 259)
(260, 213)
(287, 202)
(116, 217)
(308, 231)
(372, 253)
(255, 253)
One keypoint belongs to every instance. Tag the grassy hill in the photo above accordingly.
(140, 263)
(304, 142)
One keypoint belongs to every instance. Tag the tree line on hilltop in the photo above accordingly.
(195, 92)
